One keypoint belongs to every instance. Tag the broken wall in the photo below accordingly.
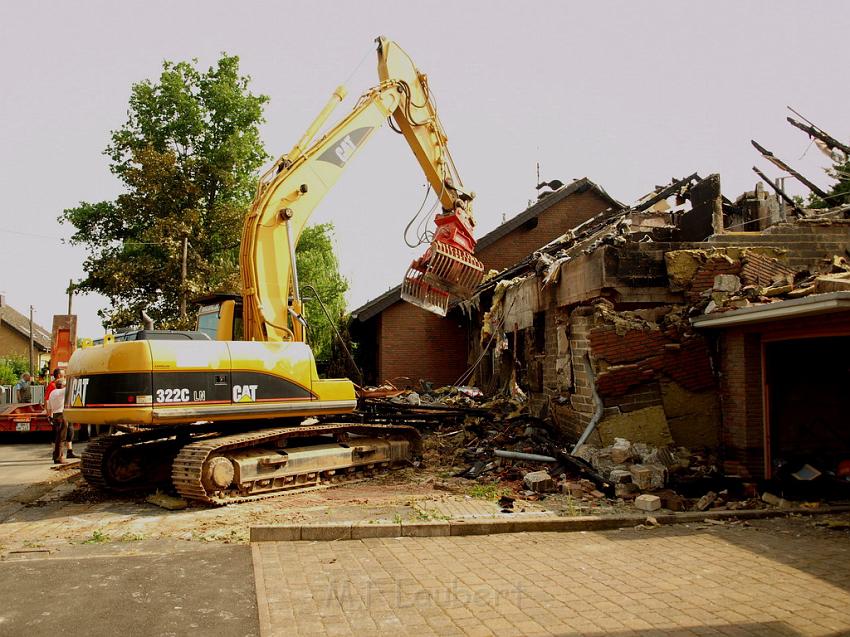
(805, 242)
(651, 372)
(608, 308)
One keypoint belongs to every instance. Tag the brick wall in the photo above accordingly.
(807, 243)
(582, 321)
(704, 277)
(740, 399)
(420, 345)
(551, 223)
(642, 356)
(13, 343)
(641, 397)
(571, 410)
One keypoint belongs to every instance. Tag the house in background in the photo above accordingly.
(400, 341)
(15, 336)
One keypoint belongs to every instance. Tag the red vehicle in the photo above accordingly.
(32, 416)
(23, 417)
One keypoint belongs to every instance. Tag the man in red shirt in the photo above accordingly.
(57, 373)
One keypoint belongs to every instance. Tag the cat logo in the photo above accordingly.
(244, 393)
(78, 392)
(344, 148)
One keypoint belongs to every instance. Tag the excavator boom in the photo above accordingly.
(290, 191)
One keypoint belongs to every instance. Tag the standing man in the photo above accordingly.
(57, 375)
(23, 390)
(55, 411)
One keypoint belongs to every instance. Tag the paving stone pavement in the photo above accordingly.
(726, 580)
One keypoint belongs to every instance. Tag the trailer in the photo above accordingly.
(24, 417)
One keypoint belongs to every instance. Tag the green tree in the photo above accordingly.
(839, 194)
(187, 158)
(12, 367)
(318, 267)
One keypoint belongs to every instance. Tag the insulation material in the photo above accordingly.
(644, 425)
(493, 322)
(563, 362)
(521, 303)
(693, 417)
(683, 265)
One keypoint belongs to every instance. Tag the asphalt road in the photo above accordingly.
(25, 459)
(147, 587)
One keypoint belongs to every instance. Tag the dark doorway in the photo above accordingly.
(808, 390)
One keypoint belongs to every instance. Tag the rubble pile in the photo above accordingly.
(491, 440)
(762, 279)
(494, 441)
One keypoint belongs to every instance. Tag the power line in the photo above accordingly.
(32, 234)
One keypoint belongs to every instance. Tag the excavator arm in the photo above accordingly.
(448, 267)
(290, 191)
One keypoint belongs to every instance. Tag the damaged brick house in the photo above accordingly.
(398, 341)
(700, 324)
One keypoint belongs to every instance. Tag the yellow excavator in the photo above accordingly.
(236, 411)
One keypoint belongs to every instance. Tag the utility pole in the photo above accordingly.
(183, 276)
(70, 295)
(31, 341)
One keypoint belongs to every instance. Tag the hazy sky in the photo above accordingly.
(628, 94)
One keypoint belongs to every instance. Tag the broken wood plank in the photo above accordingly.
(769, 156)
(819, 133)
(779, 192)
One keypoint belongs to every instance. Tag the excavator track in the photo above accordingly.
(188, 473)
(127, 463)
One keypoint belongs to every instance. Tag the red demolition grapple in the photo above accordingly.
(447, 269)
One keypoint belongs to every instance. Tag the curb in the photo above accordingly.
(333, 531)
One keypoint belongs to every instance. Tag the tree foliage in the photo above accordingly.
(839, 193)
(12, 367)
(318, 267)
(187, 158)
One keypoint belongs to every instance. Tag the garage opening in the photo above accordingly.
(808, 396)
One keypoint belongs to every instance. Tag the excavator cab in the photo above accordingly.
(220, 317)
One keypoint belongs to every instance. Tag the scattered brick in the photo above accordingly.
(647, 502)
